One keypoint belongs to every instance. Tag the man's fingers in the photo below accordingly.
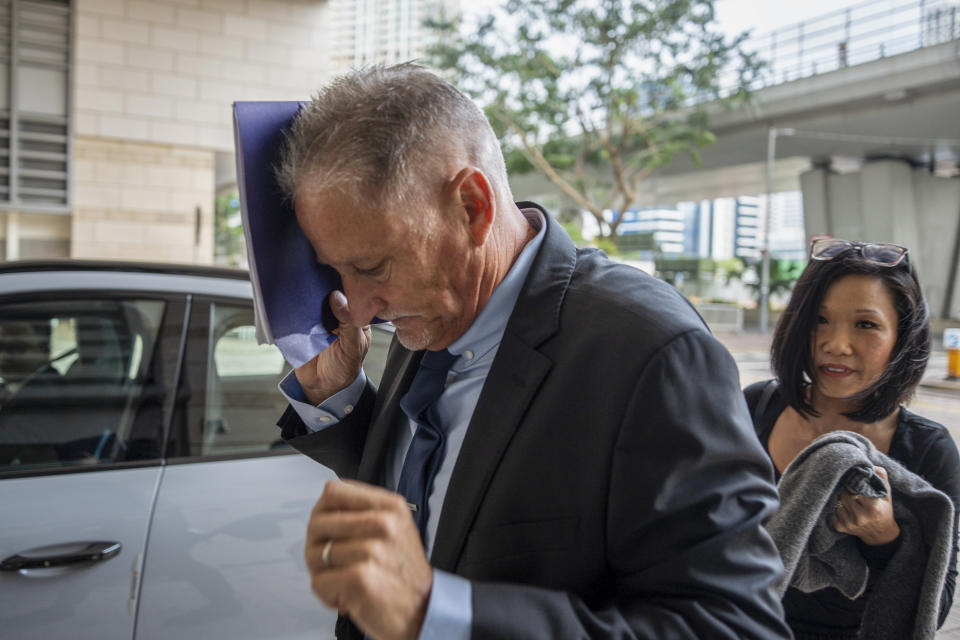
(354, 339)
(328, 586)
(345, 588)
(349, 495)
(340, 308)
(354, 525)
(343, 553)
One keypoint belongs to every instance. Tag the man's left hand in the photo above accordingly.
(375, 569)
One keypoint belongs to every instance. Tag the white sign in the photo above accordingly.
(951, 339)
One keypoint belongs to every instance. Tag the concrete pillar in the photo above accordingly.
(890, 201)
(815, 190)
(938, 214)
(13, 235)
(844, 201)
(888, 205)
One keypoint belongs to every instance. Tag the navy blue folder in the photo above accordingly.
(290, 287)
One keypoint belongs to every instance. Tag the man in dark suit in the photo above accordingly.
(596, 474)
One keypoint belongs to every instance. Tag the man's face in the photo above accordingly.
(411, 267)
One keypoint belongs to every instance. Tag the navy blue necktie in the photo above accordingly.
(426, 448)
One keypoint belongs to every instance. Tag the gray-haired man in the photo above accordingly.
(596, 475)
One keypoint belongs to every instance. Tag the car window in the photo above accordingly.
(241, 402)
(76, 381)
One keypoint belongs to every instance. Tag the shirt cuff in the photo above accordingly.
(450, 610)
(327, 413)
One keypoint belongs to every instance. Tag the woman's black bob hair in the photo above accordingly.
(792, 362)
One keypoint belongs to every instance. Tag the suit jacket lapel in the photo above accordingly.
(515, 376)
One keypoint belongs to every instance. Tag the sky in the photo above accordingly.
(763, 16)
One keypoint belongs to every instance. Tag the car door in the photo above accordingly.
(241, 495)
(83, 403)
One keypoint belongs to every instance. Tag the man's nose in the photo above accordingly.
(364, 301)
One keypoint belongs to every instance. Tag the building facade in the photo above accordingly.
(116, 118)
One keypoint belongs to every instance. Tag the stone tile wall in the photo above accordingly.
(154, 85)
(138, 201)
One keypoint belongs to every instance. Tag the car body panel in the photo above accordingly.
(30, 282)
(90, 600)
(239, 571)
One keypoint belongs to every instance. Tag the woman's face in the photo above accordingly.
(854, 336)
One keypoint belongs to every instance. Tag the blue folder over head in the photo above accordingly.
(290, 287)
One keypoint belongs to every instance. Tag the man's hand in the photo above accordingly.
(374, 568)
(870, 519)
(338, 365)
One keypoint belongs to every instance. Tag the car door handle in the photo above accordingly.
(58, 555)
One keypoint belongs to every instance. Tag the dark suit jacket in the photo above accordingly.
(610, 483)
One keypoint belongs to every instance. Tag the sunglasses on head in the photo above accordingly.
(883, 254)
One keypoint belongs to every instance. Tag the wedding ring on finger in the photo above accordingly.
(325, 554)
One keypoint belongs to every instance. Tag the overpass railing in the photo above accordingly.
(860, 33)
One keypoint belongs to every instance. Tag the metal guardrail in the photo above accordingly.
(860, 33)
(722, 317)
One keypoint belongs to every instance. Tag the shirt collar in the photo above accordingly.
(486, 331)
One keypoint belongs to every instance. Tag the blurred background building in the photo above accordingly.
(115, 115)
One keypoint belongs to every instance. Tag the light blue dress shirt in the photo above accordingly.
(449, 612)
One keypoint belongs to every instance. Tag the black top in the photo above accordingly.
(923, 447)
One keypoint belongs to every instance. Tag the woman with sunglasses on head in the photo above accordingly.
(848, 351)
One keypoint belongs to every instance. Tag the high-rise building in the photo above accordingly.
(723, 228)
(788, 238)
(747, 230)
(667, 226)
(383, 31)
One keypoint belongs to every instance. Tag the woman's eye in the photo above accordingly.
(866, 324)
(821, 320)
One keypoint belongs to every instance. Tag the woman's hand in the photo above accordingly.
(870, 519)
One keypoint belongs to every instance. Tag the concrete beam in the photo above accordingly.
(892, 201)
(912, 96)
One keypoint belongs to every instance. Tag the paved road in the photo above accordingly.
(936, 399)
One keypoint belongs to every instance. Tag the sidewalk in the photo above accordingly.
(751, 345)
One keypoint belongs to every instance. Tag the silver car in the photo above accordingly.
(145, 490)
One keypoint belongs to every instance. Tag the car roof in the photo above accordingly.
(16, 266)
(29, 276)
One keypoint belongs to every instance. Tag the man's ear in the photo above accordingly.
(475, 196)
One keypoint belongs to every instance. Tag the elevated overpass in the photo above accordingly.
(873, 148)
(860, 112)
(905, 107)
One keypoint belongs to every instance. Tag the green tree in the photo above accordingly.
(783, 275)
(596, 94)
(228, 233)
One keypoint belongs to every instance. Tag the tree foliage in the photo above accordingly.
(596, 94)
(783, 275)
(228, 233)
